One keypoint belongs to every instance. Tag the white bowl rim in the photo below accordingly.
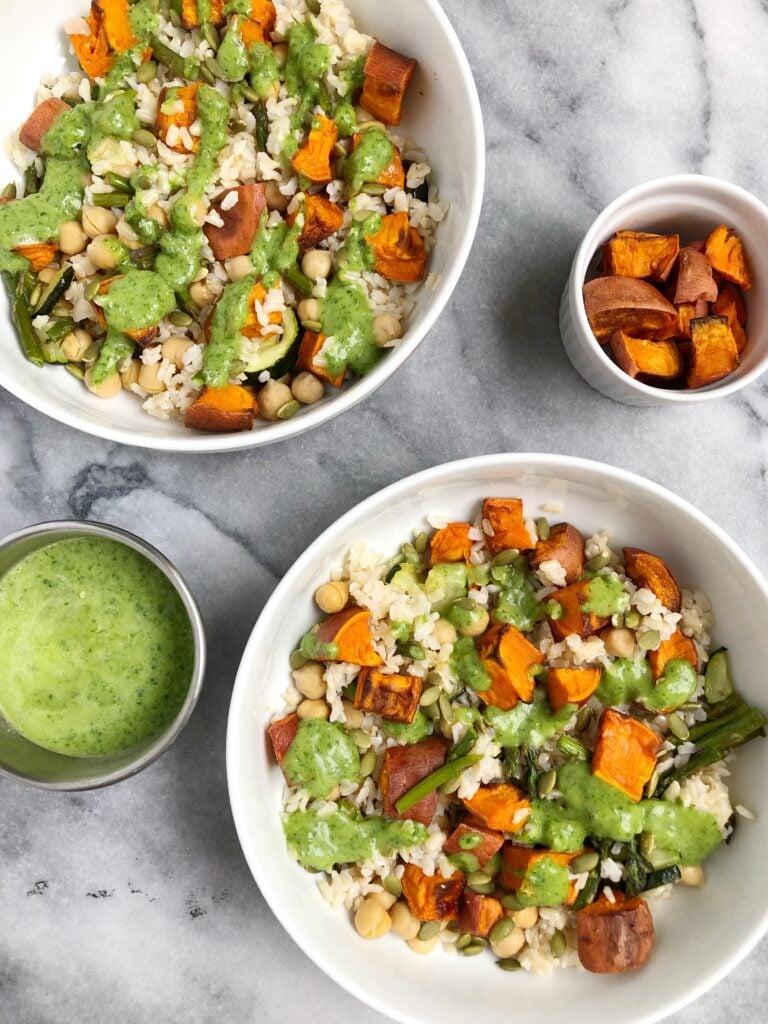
(586, 251)
(362, 388)
(314, 551)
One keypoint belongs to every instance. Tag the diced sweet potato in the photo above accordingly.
(478, 914)
(565, 545)
(506, 520)
(313, 160)
(180, 102)
(726, 254)
(392, 696)
(653, 573)
(615, 937)
(393, 175)
(39, 255)
(241, 221)
(92, 51)
(432, 897)
(450, 544)
(256, 28)
(730, 303)
(282, 734)
(141, 335)
(252, 326)
(625, 752)
(311, 343)
(615, 303)
(688, 311)
(516, 861)
(491, 843)
(509, 659)
(500, 806)
(117, 24)
(322, 218)
(387, 77)
(694, 278)
(574, 619)
(398, 249)
(190, 13)
(638, 254)
(571, 685)
(404, 766)
(678, 646)
(223, 409)
(714, 353)
(351, 630)
(639, 357)
(40, 120)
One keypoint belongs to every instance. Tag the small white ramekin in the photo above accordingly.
(690, 205)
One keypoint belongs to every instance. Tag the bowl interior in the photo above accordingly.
(700, 933)
(442, 114)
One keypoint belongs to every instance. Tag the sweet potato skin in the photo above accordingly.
(653, 573)
(500, 807)
(688, 311)
(432, 898)
(387, 77)
(39, 121)
(566, 545)
(725, 252)
(571, 685)
(391, 695)
(451, 543)
(694, 278)
(311, 344)
(640, 254)
(478, 914)
(220, 410)
(241, 222)
(508, 658)
(507, 525)
(626, 304)
(714, 353)
(402, 768)
(730, 304)
(615, 940)
(678, 646)
(398, 249)
(639, 357)
(491, 843)
(625, 752)
(282, 734)
(351, 630)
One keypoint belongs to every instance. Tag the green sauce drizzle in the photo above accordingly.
(321, 755)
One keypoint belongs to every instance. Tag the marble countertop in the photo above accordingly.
(135, 902)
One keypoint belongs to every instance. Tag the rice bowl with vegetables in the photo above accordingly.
(235, 172)
(509, 736)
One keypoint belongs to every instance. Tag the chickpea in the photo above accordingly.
(174, 348)
(280, 52)
(444, 632)
(149, 380)
(275, 198)
(313, 709)
(386, 328)
(473, 618)
(129, 373)
(107, 389)
(334, 794)
(317, 263)
(510, 944)
(525, 918)
(158, 214)
(619, 642)
(202, 294)
(238, 268)
(104, 252)
(75, 345)
(386, 899)
(332, 597)
(308, 309)
(72, 238)
(404, 924)
(127, 236)
(423, 947)
(371, 919)
(197, 211)
(307, 388)
(692, 874)
(352, 715)
(47, 274)
(97, 221)
(309, 680)
(272, 397)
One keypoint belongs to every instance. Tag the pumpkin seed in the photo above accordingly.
(75, 370)
(584, 719)
(432, 711)
(553, 610)
(449, 787)
(288, 410)
(653, 782)
(584, 862)
(207, 75)
(509, 963)
(478, 878)
(144, 137)
(211, 35)
(678, 727)
(542, 528)
(372, 189)
(632, 618)
(416, 651)
(473, 949)
(511, 902)
(558, 944)
(143, 182)
(493, 867)
(36, 295)
(649, 640)
(429, 930)
(547, 782)
(249, 93)
(174, 17)
(9, 192)
(368, 764)
(429, 696)
(597, 562)
(617, 620)
(393, 886)
(91, 290)
(312, 325)
(236, 126)
(506, 557)
(214, 67)
(297, 660)
(180, 319)
(147, 72)
(463, 941)
(466, 862)
(470, 841)
(362, 740)
(647, 843)
(410, 554)
(446, 711)
(421, 542)
(501, 929)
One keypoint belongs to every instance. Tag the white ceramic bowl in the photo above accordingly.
(690, 205)
(442, 115)
(701, 934)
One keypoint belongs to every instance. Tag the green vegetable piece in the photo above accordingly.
(690, 834)
(606, 596)
(718, 684)
(314, 650)
(676, 686)
(531, 724)
(22, 317)
(517, 602)
(466, 862)
(445, 583)
(465, 613)
(444, 774)
(408, 732)
(322, 755)
(545, 884)
(55, 290)
(623, 680)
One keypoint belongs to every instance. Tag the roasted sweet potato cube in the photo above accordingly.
(490, 845)
(478, 914)
(176, 110)
(40, 120)
(143, 336)
(714, 353)
(241, 220)
(387, 77)
(393, 696)
(257, 27)
(253, 326)
(694, 278)
(322, 218)
(93, 51)
(730, 303)
(574, 619)
(509, 659)
(350, 629)
(432, 897)
(282, 734)
(571, 685)
(626, 304)
(313, 160)
(393, 175)
(639, 357)
(565, 545)
(117, 24)
(500, 806)
(311, 345)
(688, 311)
(615, 937)
(39, 255)
(653, 573)
(450, 544)
(726, 254)
(504, 525)
(398, 249)
(224, 409)
(516, 862)
(404, 766)
(625, 752)
(639, 254)
(190, 13)
(678, 646)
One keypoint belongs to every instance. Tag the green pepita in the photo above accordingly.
(478, 878)
(368, 764)
(558, 944)
(511, 902)
(75, 370)
(285, 412)
(501, 929)
(362, 740)
(466, 862)
(678, 727)
(473, 949)
(249, 93)
(420, 543)
(207, 75)
(509, 963)
(547, 783)
(91, 290)
(649, 640)
(653, 782)
(429, 930)
(211, 35)
(214, 67)
(506, 557)
(632, 618)
(463, 941)
(147, 72)
(446, 711)
(393, 886)
(647, 843)
(542, 528)
(597, 562)
(144, 137)
(297, 660)
(429, 696)
(584, 862)
(9, 192)
(416, 652)
(470, 841)
(180, 319)
(584, 719)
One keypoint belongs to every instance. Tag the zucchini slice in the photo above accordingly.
(278, 354)
(55, 290)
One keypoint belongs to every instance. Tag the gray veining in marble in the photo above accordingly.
(134, 904)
